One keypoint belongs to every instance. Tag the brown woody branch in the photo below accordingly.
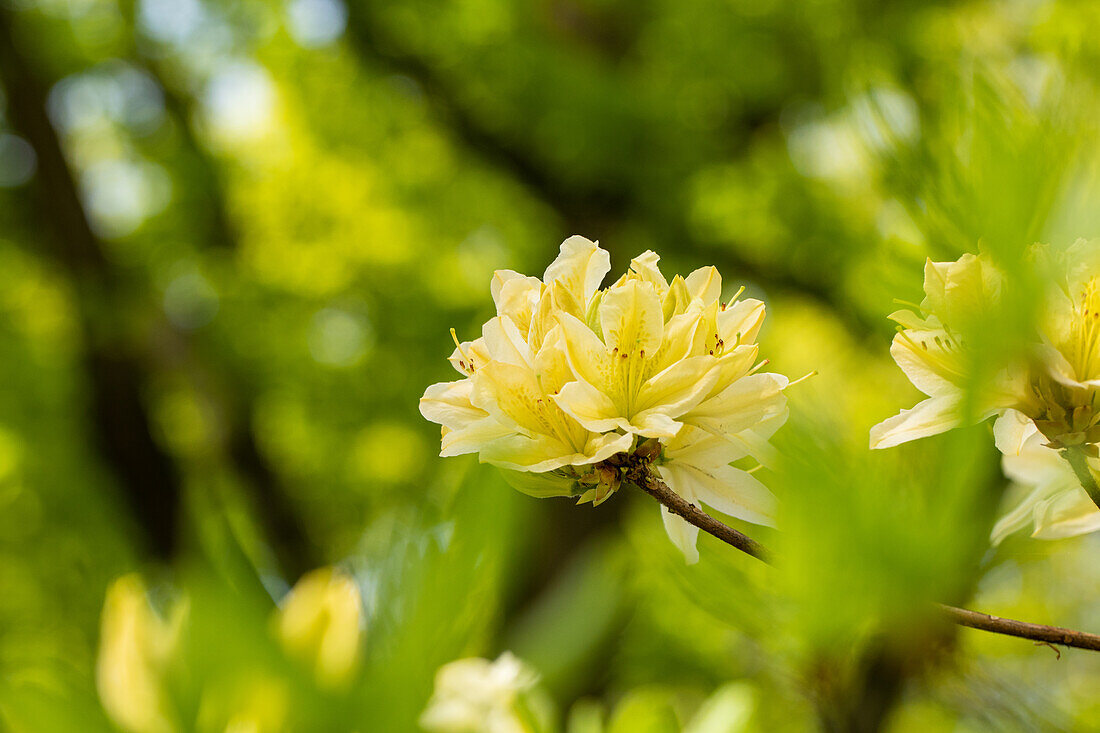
(659, 490)
(1036, 632)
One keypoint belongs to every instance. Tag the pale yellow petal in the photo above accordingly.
(746, 403)
(678, 388)
(590, 407)
(473, 437)
(601, 447)
(682, 534)
(510, 394)
(581, 266)
(644, 267)
(500, 277)
(1067, 514)
(735, 365)
(518, 299)
(653, 424)
(566, 301)
(705, 284)
(505, 343)
(909, 319)
(722, 487)
(700, 447)
(681, 336)
(677, 298)
(740, 323)
(935, 287)
(1011, 431)
(923, 358)
(933, 416)
(469, 355)
(551, 364)
(537, 453)
(587, 355)
(632, 319)
(448, 404)
(1019, 517)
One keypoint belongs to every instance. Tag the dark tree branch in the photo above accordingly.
(644, 478)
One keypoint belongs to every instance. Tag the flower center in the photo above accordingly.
(1084, 343)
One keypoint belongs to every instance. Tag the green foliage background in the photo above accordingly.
(295, 201)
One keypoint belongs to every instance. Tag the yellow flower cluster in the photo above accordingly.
(568, 379)
(1047, 402)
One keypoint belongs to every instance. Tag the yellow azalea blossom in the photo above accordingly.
(1067, 379)
(932, 352)
(140, 667)
(481, 696)
(636, 374)
(136, 647)
(1055, 506)
(569, 384)
(504, 409)
(320, 622)
(654, 352)
(1048, 416)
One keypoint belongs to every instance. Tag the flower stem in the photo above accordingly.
(648, 482)
(642, 477)
(1079, 462)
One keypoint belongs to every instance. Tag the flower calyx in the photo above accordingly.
(604, 478)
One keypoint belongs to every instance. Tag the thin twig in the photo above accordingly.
(659, 490)
(648, 482)
(1022, 629)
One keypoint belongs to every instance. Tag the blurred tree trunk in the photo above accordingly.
(270, 499)
(117, 370)
(119, 424)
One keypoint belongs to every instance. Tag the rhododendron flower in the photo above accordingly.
(1068, 372)
(136, 648)
(1049, 421)
(479, 696)
(569, 380)
(146, 686)
(1056, 506)
(931, 348)
(319, 623)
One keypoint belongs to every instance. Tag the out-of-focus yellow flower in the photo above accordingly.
(138, 672)
(1056, 505)
(567, 381)
(478, 696)
(1068, 373)
(1047, 404)
(320, 623)
(932, 351)
(136, 647)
